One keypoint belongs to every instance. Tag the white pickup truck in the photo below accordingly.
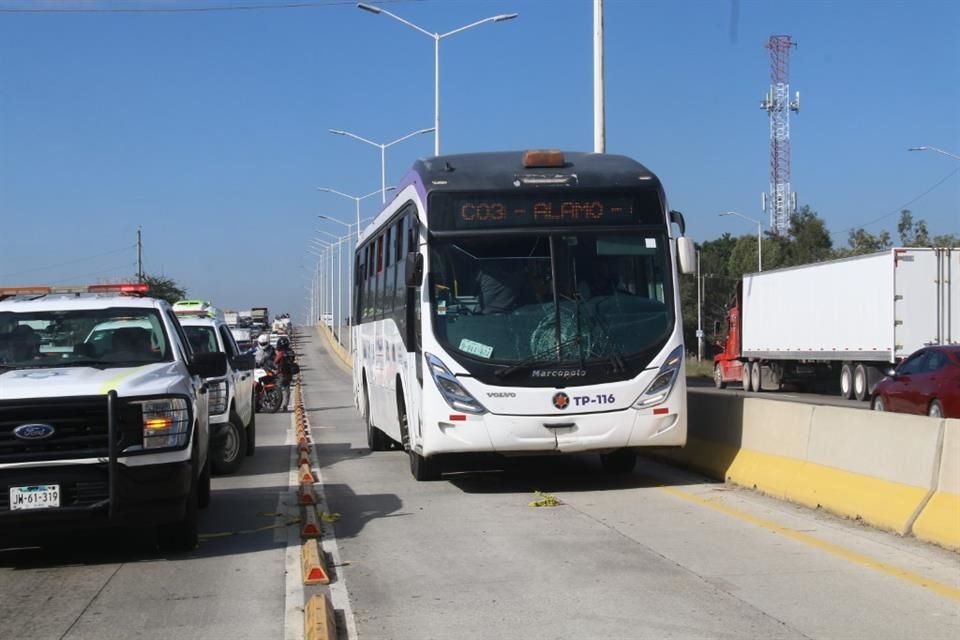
(103, 414)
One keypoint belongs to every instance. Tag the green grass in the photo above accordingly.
(701, 369)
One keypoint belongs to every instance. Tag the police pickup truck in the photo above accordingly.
(103, 413)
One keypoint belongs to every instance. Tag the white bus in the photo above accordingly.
(522, 303)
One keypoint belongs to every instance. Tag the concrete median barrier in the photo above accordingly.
(939, 521)
(335, 347)
(878, 467)
(893, 471)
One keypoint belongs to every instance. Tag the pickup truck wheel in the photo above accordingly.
(183, 535)
(229, 454)
(846, 381)
(252, 433)
(718, 377)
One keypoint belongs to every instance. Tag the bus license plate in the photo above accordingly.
(41, 496)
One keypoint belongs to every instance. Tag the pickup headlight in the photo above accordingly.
(662, 384)
(217, 398)
(166, 423)
(451, 390)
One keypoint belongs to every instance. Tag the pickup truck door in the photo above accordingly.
(242, 379)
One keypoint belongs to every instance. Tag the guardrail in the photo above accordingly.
(894, 471)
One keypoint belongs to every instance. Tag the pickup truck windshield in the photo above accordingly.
(83, 337)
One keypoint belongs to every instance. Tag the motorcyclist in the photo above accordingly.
(265, 355)
(284, 361)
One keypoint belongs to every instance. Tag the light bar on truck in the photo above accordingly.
(120, 288)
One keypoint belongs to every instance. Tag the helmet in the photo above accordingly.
(283, 343)
(263, 340)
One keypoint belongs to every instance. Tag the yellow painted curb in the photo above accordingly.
(318, 620)
(882, 503)
(939, 521)
(768, 473)
(313, 564)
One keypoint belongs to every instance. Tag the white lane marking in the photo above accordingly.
(339, 596)
(294, 595)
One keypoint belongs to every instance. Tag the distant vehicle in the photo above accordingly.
(926, 383)
(327, 319)
(260, 317)
(522, 303)
(232, 318)
(231, 396)
(841, 322)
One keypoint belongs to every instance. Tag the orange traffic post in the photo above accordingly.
(306, 495)
(306, 475)
(318, 620)
(311, 527)
(313, 564)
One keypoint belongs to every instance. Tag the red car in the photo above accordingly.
(926, 383)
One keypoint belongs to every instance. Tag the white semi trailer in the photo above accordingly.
(845, 321)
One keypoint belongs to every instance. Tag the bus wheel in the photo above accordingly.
(619, 462)
(424, 469)
(376, 440)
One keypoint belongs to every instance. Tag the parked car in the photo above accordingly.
(926, 383)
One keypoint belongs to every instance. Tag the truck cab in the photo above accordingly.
(103, 413)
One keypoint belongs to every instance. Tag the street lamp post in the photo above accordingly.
(383, 151)
(339, 304)
(340, 277)
(928, 148)
(437, 37)
(759, 235)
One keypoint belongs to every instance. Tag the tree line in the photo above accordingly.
(724, 261)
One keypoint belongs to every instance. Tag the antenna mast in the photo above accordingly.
(780, 202)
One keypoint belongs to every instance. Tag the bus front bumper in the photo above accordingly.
(597, 432)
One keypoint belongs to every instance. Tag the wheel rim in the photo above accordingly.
(717, 376)
(935, 411)
(878, 404)
(859, 383)
(231, 445)
(845, 381)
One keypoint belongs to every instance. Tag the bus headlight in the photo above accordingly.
(166, 423)
(451, 390)
(662, 384)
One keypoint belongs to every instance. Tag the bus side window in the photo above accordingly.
(399, 286)
(388, 272)
(378, 283)
(357, 288)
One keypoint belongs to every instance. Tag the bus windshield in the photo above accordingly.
(555, 297)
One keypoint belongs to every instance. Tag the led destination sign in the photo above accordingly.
(456, 212)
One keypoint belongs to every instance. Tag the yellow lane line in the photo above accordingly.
(937, 587)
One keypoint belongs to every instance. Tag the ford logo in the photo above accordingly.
(33, 431)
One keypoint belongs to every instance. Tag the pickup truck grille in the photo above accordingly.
(80, 428)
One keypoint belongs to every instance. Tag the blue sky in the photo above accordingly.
(209, 129)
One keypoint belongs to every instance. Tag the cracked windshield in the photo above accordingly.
(554, 297)
(98, 338)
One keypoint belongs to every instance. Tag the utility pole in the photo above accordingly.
(599, 108)
(780, 202)
(139, 256)
(699, 312)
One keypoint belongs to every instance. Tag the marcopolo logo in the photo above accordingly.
(558, 373)
(34, 431)
(561, 400)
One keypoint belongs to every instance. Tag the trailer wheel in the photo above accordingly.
(846, 381)
(756, 383)
(861, 386)
(718, 377)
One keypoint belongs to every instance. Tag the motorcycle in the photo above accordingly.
(268, 392)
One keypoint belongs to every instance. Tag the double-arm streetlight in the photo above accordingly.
(356, 199)
(437, 37)
(759, 235)
(928, 148)
(383, 151)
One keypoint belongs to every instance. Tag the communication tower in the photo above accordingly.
(780, 202)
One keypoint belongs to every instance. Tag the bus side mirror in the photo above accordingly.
(687, 255)
(413, 269)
